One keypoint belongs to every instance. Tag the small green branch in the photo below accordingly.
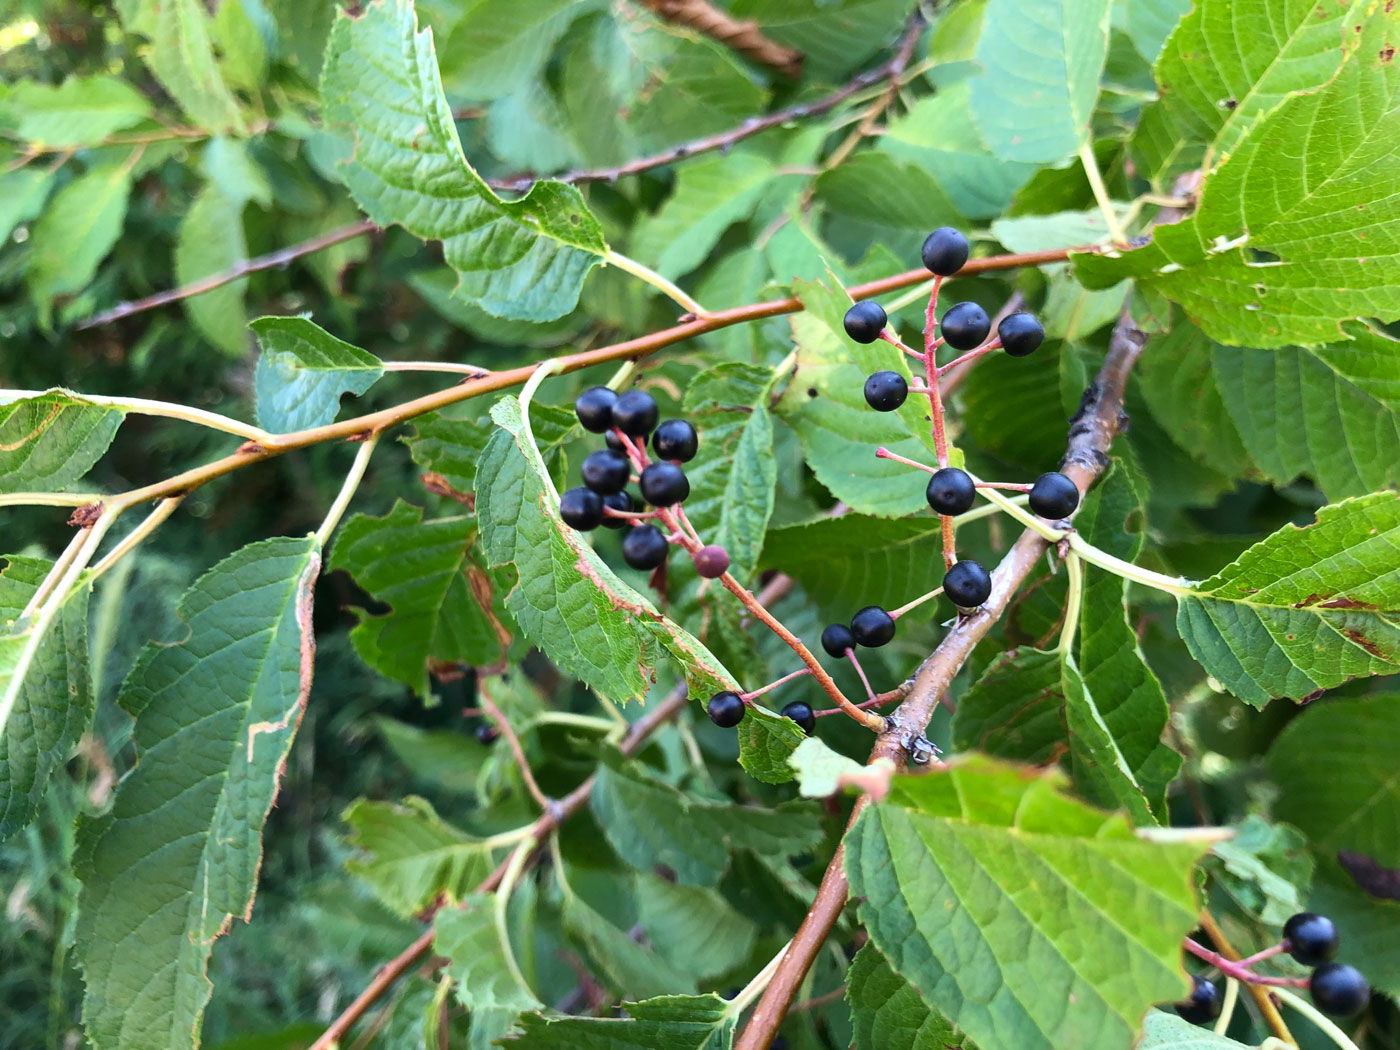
(514, 867)
(133, 539)
(1316, 1016)
(50, 499)
(347, 490)
(1227, 1008)
(1091, 172)
(1073, 602)
(527, 394)
(754, 988)
(143, 407)
(654, 279)
(1173, 585)
(1025, 517)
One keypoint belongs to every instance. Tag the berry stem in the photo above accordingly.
(1267, 953)
(884, 453)
(893, 340)
(1324, 1023)
(971, 355)
(1238, 971)
(855, 662)
(1010, 486)
(773, 685)
(630, 515)
(895, 614)
(685, 522)
(950, 553)
(1259, 995)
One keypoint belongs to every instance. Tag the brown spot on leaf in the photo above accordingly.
(1360, 639)
(1387, 53)
(440, 486)
(1342, 602)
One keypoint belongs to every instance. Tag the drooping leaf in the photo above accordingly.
(241, 49)
(82, 111)
(1149, 23)
(672, 1022)
(440, 600)
(834, 36)
(211, 241)
(231, 166)
(1287, 244)
(649, 822)
(177, 856)
(566, 599)
(75, 233)
(1002, 901)
(887, 1012)
(46, 690)
(1305, 609)
(1042, 63)
(468, 936)
(526, 258)
(304, 371)
(50, 441)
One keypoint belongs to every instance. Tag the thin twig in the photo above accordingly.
(742, 36)
(903, 52)
(513, 741)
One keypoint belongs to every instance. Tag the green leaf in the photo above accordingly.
(1265, 868)
(524, 259)
(52, 690)
(1285, 246)
(1042, 62)
(50, 441)
(182, 59)
(886, 194)
(410, 857)
(1000, 900)
(672, 1022)
(439, 599)
(446, 758)
(887, 1013)
(211, 241)
(765, 742)
(822, 771)
(304, 371)
(1228, 64)
(22, 196)
(450, 448)
(1148, 24)
(75, 233)
(477, 964)
(1305, 609)
(648, 822)
(230, 166)
(630, 968)
(498, 46)
(834, 36)
(1162, 1030)
(567, 601)
(241, 47)
(82, 111)
(694, 928)
(177, 856)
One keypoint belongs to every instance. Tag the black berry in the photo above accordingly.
(615, 442)
(1020, 334)
(967, 584)
(635, 412)
(644, 547)
(945, 251)
(1054, 496)
(675, 439)
(951, 491)
(581, 509)
(664, 484)
(872, 627)
(606, 471)
(1338, 989)
(594, 408)
(1312, 939)
(617, 501)
(865, 321)
(837, 638)
(964, 326)
(711, 561)
(886, 391)
(801, 713)
(1204, 1004)
(726, 710)
(486, 734)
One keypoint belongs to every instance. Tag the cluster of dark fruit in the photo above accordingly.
(1312, 940)
(607, 471)
(727, 709)
(965, 326)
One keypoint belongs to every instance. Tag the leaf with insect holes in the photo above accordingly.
(176, 858)
(304, 371)
(1287, 244)
(524, 259)
(47, 690)
(565, 598)
(1026, 918)
(50, 441)
(671, 1022)
(1305, 609)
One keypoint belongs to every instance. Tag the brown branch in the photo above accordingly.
(1260, 995)
(517, 752)
(743, 37)
(1092, 431)
(903, 53)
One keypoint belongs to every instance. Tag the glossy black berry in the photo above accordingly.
(486, 734)
(675, 439)
(837, 638)
(635, 412)
(865, 321)
(945, 251)
(581, 509)
(606, 471)
(886, 391)
(801, 713)
(664, 484)
(726, 710)
(1020, 334)
(964, 326)
(951, 491)
(1054, 496)
(617, 501)
(711, 561)
(872, 627)
(594, 408)
(967, 584)
(644, 547)
(1204, 1005)
(1338, 989)
(1312, 939)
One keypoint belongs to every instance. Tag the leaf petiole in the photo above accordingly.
(1316, 1016)
(651, 277)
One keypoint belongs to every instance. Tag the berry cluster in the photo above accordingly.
(1312, 940)
(629, 420)
(965, 327)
